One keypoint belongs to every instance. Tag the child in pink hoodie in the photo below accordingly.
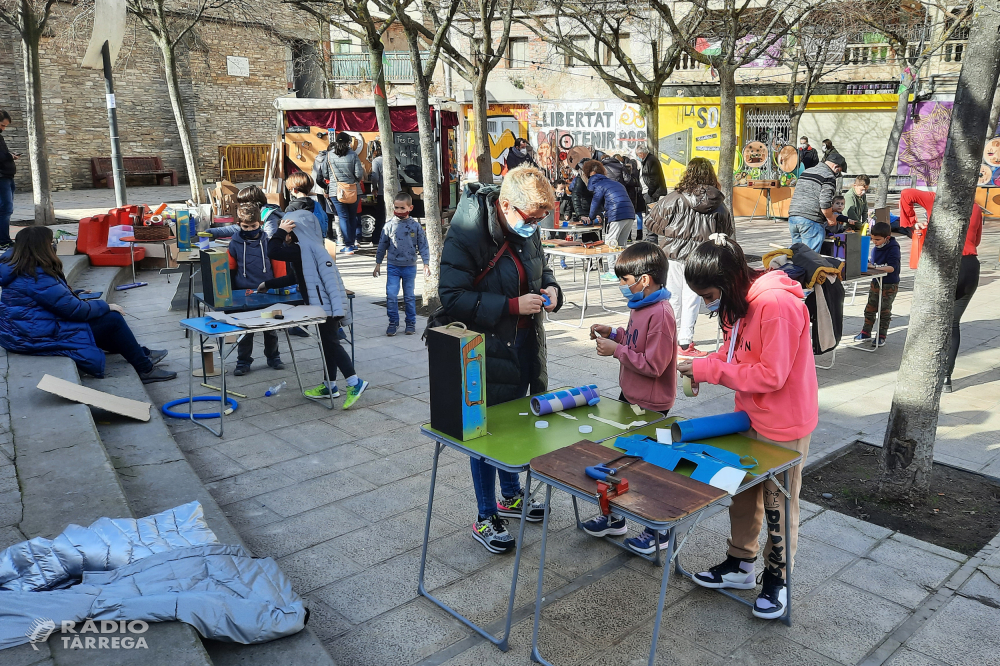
(647, 351)
(767, 359)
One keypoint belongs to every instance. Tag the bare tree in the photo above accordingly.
(168, 26)
(814, 47)
(741, 32)
(908, 450)
(358, 21)
(485, 52)
(930, 25)
(30, 18)
(438, 16)
(600, 35)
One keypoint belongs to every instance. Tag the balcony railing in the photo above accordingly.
(356, 67)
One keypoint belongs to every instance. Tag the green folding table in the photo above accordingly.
(512, 440)
(675, 503)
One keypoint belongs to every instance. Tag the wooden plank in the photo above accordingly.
(655, 494)
(111, 403)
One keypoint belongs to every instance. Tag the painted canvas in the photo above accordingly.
(921, 146)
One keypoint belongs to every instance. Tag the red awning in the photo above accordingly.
(403, 119)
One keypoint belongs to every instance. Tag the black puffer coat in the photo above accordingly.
(685, 220)
(474, 238)
(581, 197)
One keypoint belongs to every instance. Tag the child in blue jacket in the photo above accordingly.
(885, 255)
(402, 238)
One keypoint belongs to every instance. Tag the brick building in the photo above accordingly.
(221, 107)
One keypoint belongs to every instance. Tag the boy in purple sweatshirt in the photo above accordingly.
(647, 351)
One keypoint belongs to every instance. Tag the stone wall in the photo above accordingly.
(220, 108)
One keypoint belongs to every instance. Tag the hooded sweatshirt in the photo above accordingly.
(685, 220)
(772, 369)
(647, 351)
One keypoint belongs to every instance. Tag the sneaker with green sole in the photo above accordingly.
(354, 392)
(322, 391)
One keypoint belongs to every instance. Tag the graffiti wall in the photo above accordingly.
(921, 146)
(568, 132)
(506, 122)
(687, 131)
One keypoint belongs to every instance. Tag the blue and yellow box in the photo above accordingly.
(457, 361)
(216, 282)
(183, 224)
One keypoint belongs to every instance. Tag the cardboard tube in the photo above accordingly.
(719, 425)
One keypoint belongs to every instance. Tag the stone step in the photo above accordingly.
(156, 476)
(65, 476)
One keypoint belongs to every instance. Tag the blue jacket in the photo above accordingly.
(42, 316)
(249, 262)
(888, 255)
(611, 197)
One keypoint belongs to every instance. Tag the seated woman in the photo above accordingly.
(41, 315)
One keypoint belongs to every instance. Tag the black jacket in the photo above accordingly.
(652, 177)
(474, 238)
(808, 157)
(7, 165)
(581, 197)
(684, 220)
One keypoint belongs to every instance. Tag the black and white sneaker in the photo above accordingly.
(733, 573)
(492, 533)
(510, 507)
(773, 598)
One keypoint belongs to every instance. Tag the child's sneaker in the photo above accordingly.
(862, 336)
(354, 392)
(733, 573)
(609, 277)
(511, 508)
(605, 525)
(492, 533)
(645, 543)
(562, 263)
(881, 341)
(690, 352)
(391, 330)
(276, 363)
(411, 329)
(322, 391)
(346, 251)
(241, 369)
(773, 598)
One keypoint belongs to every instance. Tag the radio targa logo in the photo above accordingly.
(39, 631)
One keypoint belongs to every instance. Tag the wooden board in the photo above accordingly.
(655, 494)
(110, 403)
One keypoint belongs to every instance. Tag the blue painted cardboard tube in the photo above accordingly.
(710, 426)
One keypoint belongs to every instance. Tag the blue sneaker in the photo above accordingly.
(861, 337)
(391, 330)
(346, 250)
(645, 543)
(605, 525)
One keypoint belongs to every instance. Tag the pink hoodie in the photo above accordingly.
(773, 371)
(647, 350)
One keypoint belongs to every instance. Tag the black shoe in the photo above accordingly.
(276, 363)
(773, 597)
(297, 331)
(728, 574)
(157, 375)
(241, 369)
(946, 387)
(157, 355)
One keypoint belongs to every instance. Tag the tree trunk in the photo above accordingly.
(38, 154)
(177, 105)
(727, 130)
(991, 127)
(480, 113)
(431, 194)
(908, 449)
(651, 113)
(390, 177)
(889, 161)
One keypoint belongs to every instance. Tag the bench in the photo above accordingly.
(100, 169)
(243, 157)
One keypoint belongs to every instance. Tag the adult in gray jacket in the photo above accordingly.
(341, 166)
(683, 220)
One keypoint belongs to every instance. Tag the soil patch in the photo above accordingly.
(422, 310)
(961, 513)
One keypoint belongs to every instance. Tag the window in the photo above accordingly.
(581, 44)
(517, 52)
(341, 46)
(624, 43)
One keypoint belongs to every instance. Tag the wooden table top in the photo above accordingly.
(655, 494)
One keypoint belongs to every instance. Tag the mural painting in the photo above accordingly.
(570, 132)
(921, 145)
(687, 131)
(506, 123)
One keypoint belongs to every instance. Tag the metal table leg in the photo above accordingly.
(535, 654)
(663, 595)
(223, 404)
(298, 377)
(502, 642)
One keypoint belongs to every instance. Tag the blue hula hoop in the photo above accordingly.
(200, 398)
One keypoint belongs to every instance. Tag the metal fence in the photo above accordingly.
(356, 67)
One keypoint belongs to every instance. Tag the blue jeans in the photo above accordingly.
(112, 334)
(806, 231)
(347, 217)
(408, 276)
(6, 208)
(482, 472)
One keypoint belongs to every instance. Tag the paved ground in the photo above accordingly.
(338, 498)
(71, 205)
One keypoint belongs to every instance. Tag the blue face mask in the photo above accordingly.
(714, 305)
(522, 228)
(627, 292)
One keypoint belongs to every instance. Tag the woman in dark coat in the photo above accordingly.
(506, 306)
(40, 314)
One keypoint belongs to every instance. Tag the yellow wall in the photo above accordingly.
(689, 126)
